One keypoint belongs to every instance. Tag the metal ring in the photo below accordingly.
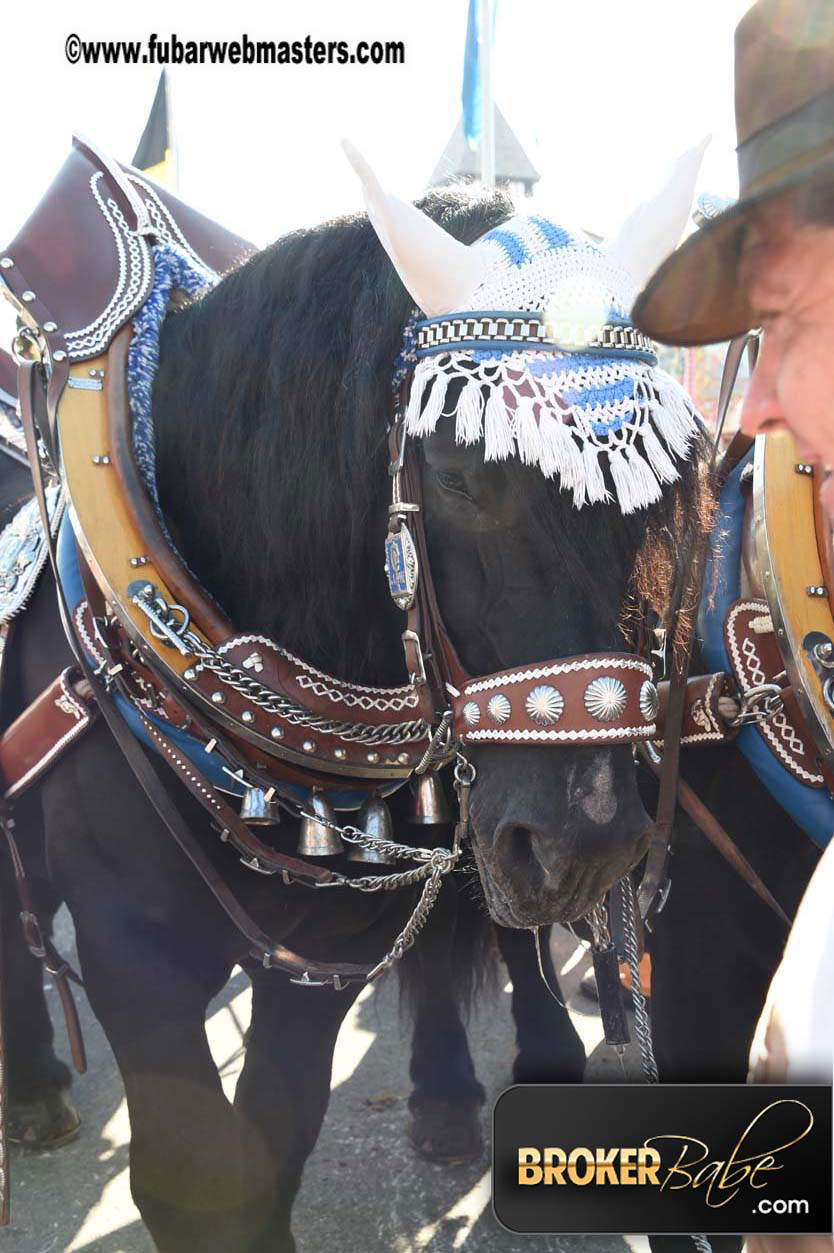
(828, 693)
(465, 772)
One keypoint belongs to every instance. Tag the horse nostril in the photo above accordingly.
(520, 857)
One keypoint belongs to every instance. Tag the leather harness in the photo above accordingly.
(274, 719)
(166, 649)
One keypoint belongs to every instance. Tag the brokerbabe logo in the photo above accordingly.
(612, 1158)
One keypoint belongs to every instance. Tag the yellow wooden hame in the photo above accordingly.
(796, 578)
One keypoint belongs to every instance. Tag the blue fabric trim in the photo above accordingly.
(812, 809)
(208, 764)
(512, 246)
(588, 397)
(501, 347)
(555, 236)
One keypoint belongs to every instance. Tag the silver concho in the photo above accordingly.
(544, 705)
(649, 701)
(471, 713)
(401, 567)
(605, 698)
(499, 708)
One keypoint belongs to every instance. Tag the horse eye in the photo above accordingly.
(453, 483)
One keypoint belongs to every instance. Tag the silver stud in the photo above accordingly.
(499, 708)
(49, 327)
(471, 713)
(402, 758)
(253, 662)
(340, 754)
(247, 716)
(59, 355)
(138, 561)
(27, 296)
(309, 746)
(544, 705)
(101, 459)
(6, 263)
(217, 698)
(817, 589)
(373, 758)
(649, 701)
(190, 674)
(605, 698)
(277, 733)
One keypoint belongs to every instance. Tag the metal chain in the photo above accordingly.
(175, 632)
(353, 732)
(641, 1013)
(415, 923)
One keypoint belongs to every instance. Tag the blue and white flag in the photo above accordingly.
(471, 93)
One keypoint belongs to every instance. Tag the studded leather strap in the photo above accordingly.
(595, 698)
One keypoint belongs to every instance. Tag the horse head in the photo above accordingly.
(273, 399)
(556, 463)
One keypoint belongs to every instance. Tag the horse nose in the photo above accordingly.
(519, 851)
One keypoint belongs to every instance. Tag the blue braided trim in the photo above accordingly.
(173, 270)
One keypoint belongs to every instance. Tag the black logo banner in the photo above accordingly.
(670, 1158)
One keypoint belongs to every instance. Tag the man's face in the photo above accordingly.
(788, 270)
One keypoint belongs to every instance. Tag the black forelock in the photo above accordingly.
(271, 407)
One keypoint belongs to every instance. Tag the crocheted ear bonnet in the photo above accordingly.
(539, 358)
(552, 370)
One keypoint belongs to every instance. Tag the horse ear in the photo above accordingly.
(654, 229)
(439, 272)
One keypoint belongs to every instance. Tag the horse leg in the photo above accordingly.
(446, 1099)
(284, 1088)
(549, 1047)
(200, 1178)
(40, 1113)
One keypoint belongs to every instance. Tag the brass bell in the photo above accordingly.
(429, 802)
(316, 838)
(257, 810)
(374, 820)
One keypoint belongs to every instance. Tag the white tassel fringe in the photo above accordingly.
(498, 434)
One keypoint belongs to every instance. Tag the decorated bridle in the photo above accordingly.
(567, 390)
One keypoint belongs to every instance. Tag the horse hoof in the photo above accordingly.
(446, 1133)
(45, 1124)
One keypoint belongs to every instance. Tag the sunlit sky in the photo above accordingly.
(602, 96)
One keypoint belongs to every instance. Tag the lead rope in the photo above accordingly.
(641, 1011)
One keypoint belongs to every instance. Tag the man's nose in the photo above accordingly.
(761, 408)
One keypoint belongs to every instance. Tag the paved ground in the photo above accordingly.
(77, 1199)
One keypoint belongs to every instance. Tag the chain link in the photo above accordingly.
(641, 1013)
(416, 921)
(160, 614)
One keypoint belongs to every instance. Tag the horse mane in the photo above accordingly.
(271, 406)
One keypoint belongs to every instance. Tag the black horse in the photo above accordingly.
(271, 406)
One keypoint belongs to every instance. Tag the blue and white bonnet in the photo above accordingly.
(531, 325)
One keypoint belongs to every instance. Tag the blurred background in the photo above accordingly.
(592, 103)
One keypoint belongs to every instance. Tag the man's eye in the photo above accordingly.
(453, 483)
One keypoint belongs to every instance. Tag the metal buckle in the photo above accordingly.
(758, 704)
(418, 679)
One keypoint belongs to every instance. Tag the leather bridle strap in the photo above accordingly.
(709, 826)
(262, 947)
(655, 872)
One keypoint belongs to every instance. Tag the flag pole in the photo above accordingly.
(487, 107)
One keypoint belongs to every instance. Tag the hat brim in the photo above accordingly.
(696, 296)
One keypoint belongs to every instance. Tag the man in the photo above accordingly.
(769, 262)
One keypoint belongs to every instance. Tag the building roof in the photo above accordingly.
(460, 161)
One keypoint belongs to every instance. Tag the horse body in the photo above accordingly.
(271, 405)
